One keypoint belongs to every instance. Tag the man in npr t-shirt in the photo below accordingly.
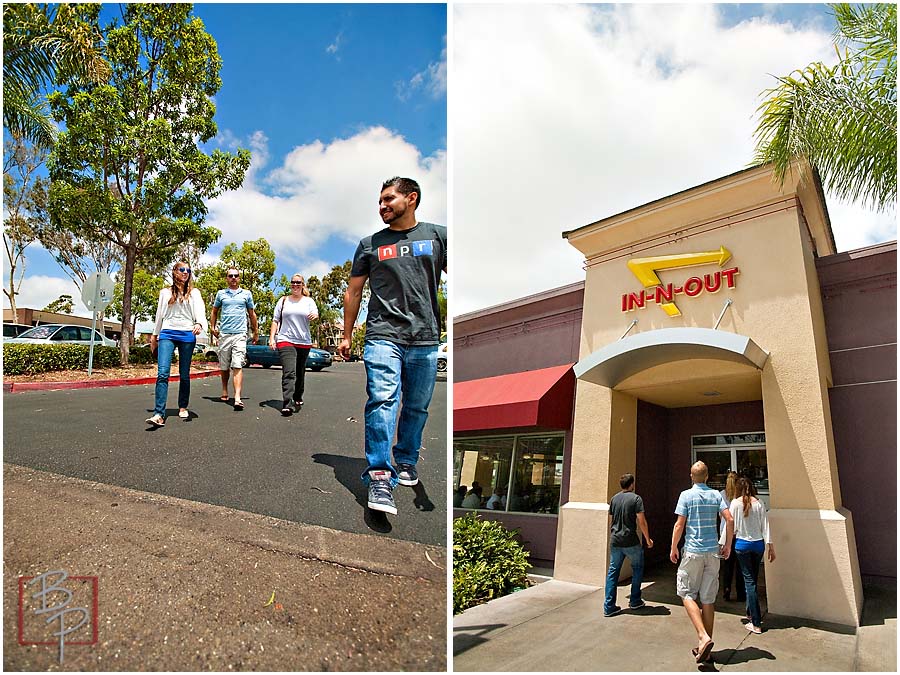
(403, 265)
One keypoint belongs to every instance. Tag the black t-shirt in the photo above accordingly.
(404, 270)
(624, 508)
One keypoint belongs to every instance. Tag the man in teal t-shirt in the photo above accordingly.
(236, 304)
(697, 582)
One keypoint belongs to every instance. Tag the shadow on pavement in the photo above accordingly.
(731, 656)
(647, 610)
(470, 636)
(347, 472)
(274, 403)
(422, 502)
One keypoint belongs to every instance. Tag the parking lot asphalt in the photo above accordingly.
(304, 468)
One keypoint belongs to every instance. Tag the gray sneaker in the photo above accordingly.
(381, 496)
(407, 474)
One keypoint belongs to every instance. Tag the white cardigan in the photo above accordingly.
(180, 315)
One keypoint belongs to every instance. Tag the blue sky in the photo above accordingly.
(331, 99)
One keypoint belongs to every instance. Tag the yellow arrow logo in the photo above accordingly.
(645, 269)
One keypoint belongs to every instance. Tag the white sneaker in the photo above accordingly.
(184, 414)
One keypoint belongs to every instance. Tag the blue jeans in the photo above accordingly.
(749, 562)
(616, 558)
(164, 350)
(396, 374)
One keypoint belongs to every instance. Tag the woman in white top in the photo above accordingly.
(180, 317)
(751, 535)
(291, 337)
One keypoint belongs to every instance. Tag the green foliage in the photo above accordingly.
(128, 167)
(64, 304)
(842, 119)
(19, 359)
(442, 304)
(43, 44)
(256, 262)
(145, 290)
(488, 562)
(25, 209)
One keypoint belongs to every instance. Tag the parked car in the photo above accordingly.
(61, 333)
(262, 355)
(443, 358)
(11, 330)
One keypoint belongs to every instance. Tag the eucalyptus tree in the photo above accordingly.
(129, 167)
(841, 118)
(41, 44)
(24, 209)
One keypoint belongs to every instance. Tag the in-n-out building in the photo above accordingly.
(717, 324)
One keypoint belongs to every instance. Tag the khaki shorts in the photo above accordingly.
(232, 350)
(698, 577)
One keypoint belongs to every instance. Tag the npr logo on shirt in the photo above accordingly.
(413, 248)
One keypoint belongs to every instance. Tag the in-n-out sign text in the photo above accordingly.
(664, 295)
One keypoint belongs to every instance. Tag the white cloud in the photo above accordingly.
(433, 80)
(39, 290)
(336, 45)
(563, 115)
(331, 189)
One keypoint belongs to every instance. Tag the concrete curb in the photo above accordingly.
(13, 387)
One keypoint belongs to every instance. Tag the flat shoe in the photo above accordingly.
(239, 405)
(156, 420)
(184, 414)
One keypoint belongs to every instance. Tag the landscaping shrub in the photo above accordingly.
(488, 562)
(25, 359)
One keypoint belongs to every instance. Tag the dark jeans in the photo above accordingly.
(749, 562)
(293, 372)
(730, 569)
(164, 351)
(617, 555)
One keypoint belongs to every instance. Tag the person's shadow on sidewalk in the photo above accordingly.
(730, 657)
(347, 472)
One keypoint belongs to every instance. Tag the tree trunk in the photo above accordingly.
(11, 294)
(125, 341)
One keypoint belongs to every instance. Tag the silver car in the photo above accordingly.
(60, 333)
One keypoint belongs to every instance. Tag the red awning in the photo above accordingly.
(536, 398)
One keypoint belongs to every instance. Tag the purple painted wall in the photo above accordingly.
(859, 292)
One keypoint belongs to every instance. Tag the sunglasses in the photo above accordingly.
(184, 269)
(296, 283)
(234, 276)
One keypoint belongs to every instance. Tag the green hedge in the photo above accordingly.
(25, 359)
(488, 562)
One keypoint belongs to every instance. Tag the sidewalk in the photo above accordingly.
(559, 626)
(185, 585)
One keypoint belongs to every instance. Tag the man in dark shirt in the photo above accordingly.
(626, 510)
(402, 264)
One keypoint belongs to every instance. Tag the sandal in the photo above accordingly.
(156, 420)
(238, 405)
(703, 654)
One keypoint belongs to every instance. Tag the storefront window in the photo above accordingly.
(539, 462)
(744, 453)
(483, 466)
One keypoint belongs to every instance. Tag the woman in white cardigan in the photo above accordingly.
(180, 317)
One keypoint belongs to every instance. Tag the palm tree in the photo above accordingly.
(842, 119)
(44, 44)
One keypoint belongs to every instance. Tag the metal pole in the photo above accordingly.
(633, 324)
(94, 323)
(722, 313)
